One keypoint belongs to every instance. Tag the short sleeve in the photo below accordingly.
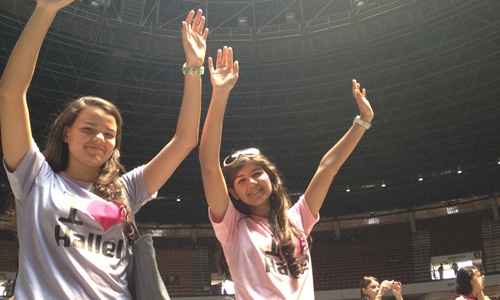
(225, 228)
(22, 179)
(301, 214)
(136, 189)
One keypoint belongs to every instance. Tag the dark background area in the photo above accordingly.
(430, 67)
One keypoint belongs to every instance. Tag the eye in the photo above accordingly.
(240, 181)
(257, 174)
(88, 130)
(109, 135)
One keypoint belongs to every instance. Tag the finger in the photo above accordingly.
(189, 17)
(205, 34)
(184, 30)
(218, 61)
(224, 56)
(201, 26)
(354, 84)
(197, 20)
(236, 68)
(230, 57)
(364, 92)
(210, 65)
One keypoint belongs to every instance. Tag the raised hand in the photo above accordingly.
(226, 72)
(194, 38)
(364, 107)
(385, 286)
(397, 289)
(53, 5)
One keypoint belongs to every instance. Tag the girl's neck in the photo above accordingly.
(261, 211)
(81, 173)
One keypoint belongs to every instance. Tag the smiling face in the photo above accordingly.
(252, 186)
(91, 139)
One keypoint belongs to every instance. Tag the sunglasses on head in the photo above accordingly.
(248, 152)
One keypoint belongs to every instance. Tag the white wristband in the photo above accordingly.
(192, 70)
(362, 123)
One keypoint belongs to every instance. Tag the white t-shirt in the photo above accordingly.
(258, 271)
(71, 241)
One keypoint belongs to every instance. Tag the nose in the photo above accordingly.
(100, 136)
(253, 181)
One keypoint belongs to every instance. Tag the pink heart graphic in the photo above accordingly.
(106, 213)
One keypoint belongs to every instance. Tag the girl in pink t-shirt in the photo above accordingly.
(264, 239)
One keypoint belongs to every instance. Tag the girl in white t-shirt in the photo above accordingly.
(70, 200)
(264, 239)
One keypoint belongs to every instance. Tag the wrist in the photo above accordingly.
(46, 9)
(220, 93)
(193, 70)
(194, 63)
(359, 121)
(366, 118)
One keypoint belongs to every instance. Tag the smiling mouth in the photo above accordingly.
(94, 148)
(256, 192)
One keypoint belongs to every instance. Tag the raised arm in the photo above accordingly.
(335, 157)
(223, 78)
(16, 79)
(385, 286)
(163, 165)
(397, 290)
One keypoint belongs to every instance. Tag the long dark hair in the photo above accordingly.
(282, 228)
(56, 152)
(464, 277)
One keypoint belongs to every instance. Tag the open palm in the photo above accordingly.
(226, 71)
(194, 38)
(364, 107)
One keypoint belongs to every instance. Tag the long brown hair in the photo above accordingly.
(281, 226)
(56, 152)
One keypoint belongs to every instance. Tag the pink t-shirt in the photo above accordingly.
(257, 270)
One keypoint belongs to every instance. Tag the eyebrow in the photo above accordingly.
(95, 125)
(257, 168)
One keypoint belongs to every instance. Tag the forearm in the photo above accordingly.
(329, 165)
(19, 70)
(188, 124)
(333, 160)
(211, 137)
